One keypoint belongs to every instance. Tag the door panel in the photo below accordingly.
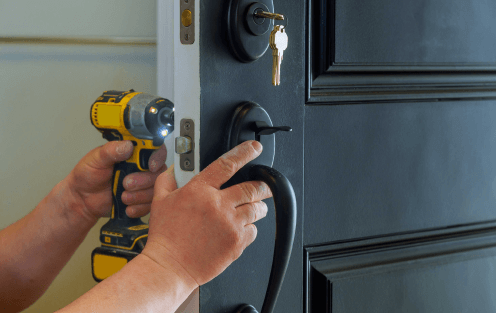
(389, 168)
(400, 50)
(225, 83)
(412, 32)
(436, 271)
(391, 155)
(399, 130)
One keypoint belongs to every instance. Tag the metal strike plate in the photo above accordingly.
(187, 131)
(187, 22)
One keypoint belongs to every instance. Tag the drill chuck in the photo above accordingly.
(149, 117)
(133, 115)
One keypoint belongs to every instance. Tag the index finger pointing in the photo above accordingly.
(222, 169)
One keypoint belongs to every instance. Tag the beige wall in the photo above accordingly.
(116, 18)
(45, 96)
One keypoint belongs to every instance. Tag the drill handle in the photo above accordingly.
(119, 216)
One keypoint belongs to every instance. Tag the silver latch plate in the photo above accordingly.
(185, 145)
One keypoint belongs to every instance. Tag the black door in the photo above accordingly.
(392, 155)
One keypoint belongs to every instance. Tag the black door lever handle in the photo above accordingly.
(285, 207)
(262, 128)
(251, 121)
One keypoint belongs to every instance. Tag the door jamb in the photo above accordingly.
(178, 79)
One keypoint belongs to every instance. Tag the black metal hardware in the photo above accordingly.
(258, 26)
(250, 120)
(248, 35)
(262, 129)
(246, 308)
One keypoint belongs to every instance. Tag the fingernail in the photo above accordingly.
(123, 147)
(132, 212)
(170, 170)
(257, 145)
(153, 166)
(131, 183)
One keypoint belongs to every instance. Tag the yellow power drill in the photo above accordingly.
(146, 120)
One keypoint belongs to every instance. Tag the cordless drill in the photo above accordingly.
(145, 120)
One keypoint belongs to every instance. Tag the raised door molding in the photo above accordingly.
(447, 270)
(385, 50)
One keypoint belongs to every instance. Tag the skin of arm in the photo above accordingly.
(195, 233)
(36, 248)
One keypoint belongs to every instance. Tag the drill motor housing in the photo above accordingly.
(128, 115)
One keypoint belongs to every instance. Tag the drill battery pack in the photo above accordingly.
(107, 261)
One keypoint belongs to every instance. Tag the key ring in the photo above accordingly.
(273, 16)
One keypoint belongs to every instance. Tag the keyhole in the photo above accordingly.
(256, 19)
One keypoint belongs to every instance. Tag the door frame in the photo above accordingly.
(178, 79)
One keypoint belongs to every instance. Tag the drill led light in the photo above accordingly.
(153, 110)
(165, 132)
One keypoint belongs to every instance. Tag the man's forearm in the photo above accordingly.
(141, 286)
(35, 248)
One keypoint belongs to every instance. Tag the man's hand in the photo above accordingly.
(35, 248)
(199, 230)
(91, 180)
(195, 233)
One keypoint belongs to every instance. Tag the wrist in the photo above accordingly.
(163, 278)
(143, 285)
(66, 198)
(161, 256)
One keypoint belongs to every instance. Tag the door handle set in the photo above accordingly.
(251, 122)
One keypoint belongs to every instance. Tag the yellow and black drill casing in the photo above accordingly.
(145, 120)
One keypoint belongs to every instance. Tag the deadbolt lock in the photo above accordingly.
(248, 29)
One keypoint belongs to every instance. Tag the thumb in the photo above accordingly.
(111, 153)
(165, 183)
